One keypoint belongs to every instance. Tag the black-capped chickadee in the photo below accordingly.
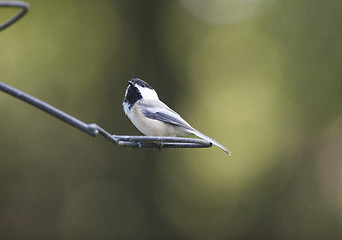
(152, 117)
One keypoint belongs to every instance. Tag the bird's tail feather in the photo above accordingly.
(201, 135)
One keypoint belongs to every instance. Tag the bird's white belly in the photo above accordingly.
(150, 126)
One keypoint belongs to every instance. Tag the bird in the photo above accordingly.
(152, 117)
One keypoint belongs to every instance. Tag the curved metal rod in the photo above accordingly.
(14, 4)
(93, 129)
(48, 109)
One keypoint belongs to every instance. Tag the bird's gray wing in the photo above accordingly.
(158, 110)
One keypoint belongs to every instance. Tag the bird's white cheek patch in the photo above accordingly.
(147, 93)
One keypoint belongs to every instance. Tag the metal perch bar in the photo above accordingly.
(93, 129)
(168, 142)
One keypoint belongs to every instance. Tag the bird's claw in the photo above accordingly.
(138, 145)
(160, 146)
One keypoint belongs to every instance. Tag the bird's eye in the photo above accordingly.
(143, 85)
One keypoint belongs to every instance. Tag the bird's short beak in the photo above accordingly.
(131, 83)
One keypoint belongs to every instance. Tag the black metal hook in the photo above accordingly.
(14, 4)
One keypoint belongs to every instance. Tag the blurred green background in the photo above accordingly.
(263, 77)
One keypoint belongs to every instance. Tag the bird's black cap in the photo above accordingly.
(139, 82)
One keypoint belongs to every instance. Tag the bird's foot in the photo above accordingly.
(160, 145)
(138, 146)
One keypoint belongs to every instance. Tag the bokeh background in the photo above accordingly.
(263, 77)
